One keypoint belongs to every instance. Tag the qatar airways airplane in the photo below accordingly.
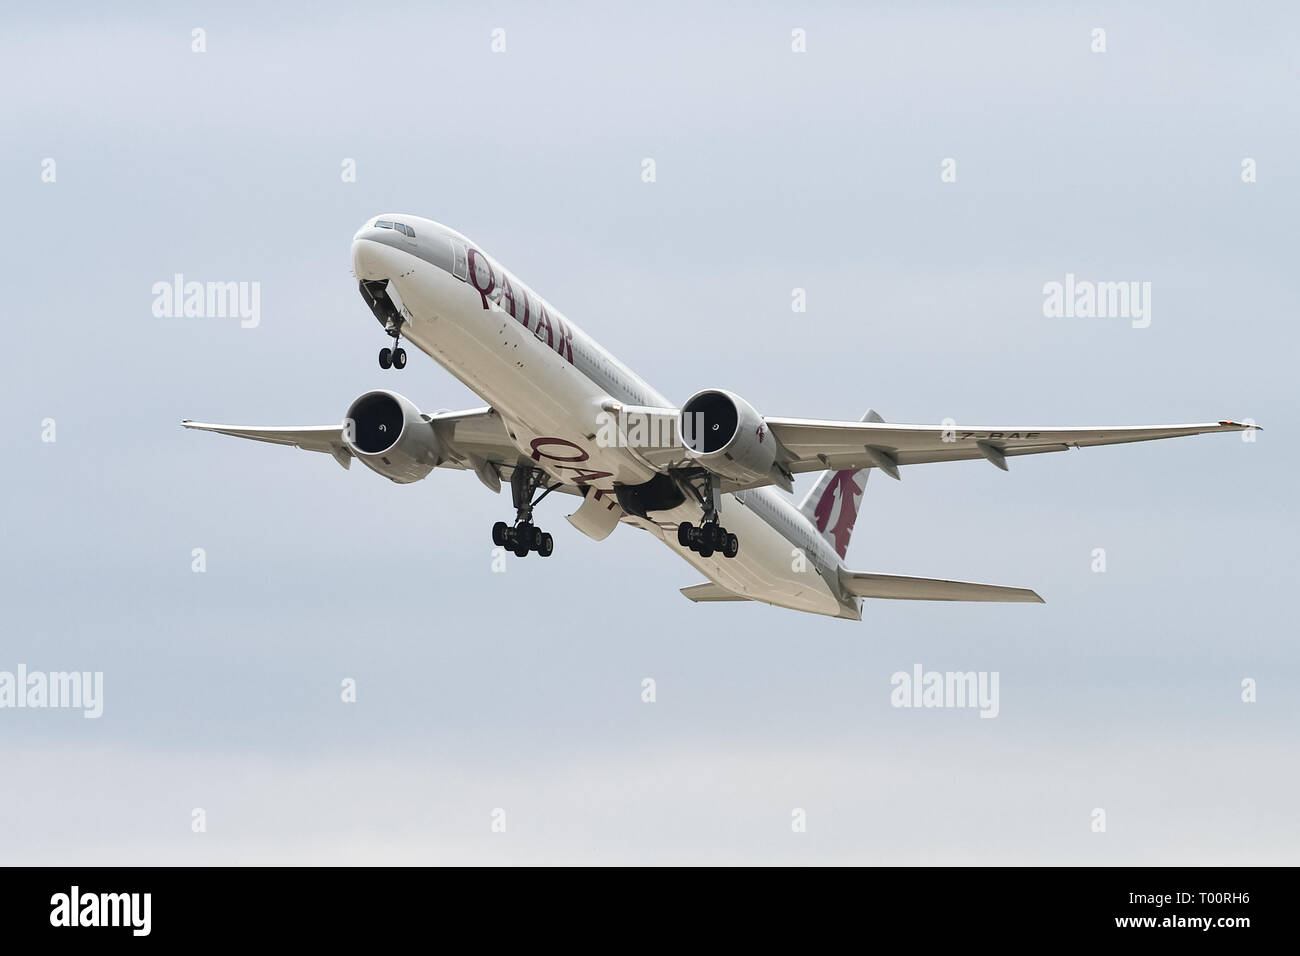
(565, 415)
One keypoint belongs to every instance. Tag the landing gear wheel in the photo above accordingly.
(524, 536)
(684, 534)
(731, 547)
(386, 358)
(399, 358)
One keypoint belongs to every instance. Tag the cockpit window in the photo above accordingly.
(405, 230)
(383, 224)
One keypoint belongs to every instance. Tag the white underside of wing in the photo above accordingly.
(897, 587)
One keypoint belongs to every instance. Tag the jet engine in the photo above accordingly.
(389, 435)
(723, 433)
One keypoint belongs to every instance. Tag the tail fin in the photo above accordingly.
(832, 504)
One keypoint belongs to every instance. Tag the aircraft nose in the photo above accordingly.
(366, 263)
(377, 248)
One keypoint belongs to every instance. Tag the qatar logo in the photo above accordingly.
(761, 434)
(843, 487)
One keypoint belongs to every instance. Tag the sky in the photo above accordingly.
(499, 718)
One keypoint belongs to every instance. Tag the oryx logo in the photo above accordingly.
(102, 909)
(760, 434)
(843, 487)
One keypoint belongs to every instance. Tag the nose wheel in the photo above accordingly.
(523, 536)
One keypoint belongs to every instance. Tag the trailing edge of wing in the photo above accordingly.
(899, 588)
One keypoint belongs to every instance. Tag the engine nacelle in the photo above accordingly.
(388, 434)
(722, 432)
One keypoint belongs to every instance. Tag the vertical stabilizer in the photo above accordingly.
(832, 504)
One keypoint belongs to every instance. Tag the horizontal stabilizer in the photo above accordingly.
(711, 592)
(896, 587)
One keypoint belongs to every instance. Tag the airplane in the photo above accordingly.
(563, 414)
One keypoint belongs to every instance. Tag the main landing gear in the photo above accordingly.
(710, 535)
(708, 538)
(524, 536)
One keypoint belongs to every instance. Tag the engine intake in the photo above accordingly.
(389, 435)
(723, 433)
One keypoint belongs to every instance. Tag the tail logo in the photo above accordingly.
(849, 491)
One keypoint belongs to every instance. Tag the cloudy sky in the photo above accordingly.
(775, 170)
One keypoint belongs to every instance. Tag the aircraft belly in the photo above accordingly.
(766, 569)
(549, 406)
(551, 410)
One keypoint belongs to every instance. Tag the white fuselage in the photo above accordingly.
(549, 381)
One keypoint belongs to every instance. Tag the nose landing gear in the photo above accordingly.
(375, 292)
(524, 536)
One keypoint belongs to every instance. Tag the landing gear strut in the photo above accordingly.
(710, 535)
(524, 536)
(375, 292)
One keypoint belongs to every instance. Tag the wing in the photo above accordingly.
(812, 445)
(805, 444)
(326, 438)
(474, 440)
